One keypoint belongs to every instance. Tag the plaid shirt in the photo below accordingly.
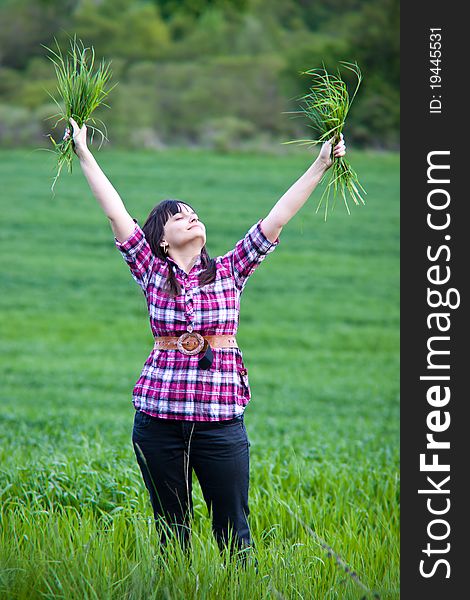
(171, 384)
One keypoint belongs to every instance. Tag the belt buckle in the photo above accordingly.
(196, 343)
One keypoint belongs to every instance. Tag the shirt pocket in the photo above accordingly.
(217, 286)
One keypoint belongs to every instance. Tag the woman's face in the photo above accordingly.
(184, 227)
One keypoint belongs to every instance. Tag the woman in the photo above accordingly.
(193, 389)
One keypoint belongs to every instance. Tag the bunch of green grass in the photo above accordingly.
(82, 88)
(326, 106)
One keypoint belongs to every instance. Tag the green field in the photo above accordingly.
(319, 330)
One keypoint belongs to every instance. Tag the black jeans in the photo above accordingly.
(168, 450)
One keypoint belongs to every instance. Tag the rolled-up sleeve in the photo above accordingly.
(250, 252)
(138, 255)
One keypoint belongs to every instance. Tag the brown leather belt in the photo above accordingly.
(193, 342)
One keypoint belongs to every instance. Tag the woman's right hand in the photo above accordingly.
(79, 137)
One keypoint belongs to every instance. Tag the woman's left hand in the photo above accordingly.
(325, 152)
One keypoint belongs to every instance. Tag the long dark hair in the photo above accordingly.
(154, 228)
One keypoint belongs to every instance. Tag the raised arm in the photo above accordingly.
(296, 196)
(113, 207)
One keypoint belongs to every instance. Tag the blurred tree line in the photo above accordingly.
(213, 73)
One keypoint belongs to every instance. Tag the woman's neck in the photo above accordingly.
(184, 260)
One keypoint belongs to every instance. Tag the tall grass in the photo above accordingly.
(81, 88)
(326, 106)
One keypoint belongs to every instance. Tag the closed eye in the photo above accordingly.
(179, 216)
